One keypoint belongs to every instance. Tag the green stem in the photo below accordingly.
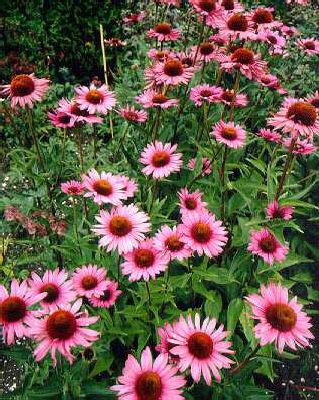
(245, 361)
(80, 148)
(285, 173)
(235, 90)
(153, 194)
(165, 291)
(156, 125)
(222, 178)
(75, 226)
(34, 138)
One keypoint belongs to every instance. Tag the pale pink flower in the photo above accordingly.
(200, 347)
(152, 98)
(262, 18)
(160, 55)
(108, 297)
(203, 233)
(205, 93)
(175, 3)
(160, 159)
(72, 188)
(280, 321)
(133, 115)
(303, 147)
(165, 334)
(231, 6)
(264, 244)
(272, 82)
(172, 242)
(62, 329)
(134, 18)
(149, 380)
(61, 119)
(206, 165)
(231, 135)
(232, 99)
(163, 32)
(130, 186)
(206, 8)
(270, 135)
(15, 310)
(72, 109)
(24, 90)
(274, 40)
(191, 202)
(95, 99)
(104, 187)
(122, 228)
(235, 26)
(274, 210)
(205, 52)
(313, 99)
(310, 46)
(172, 72)
(300, 2)
(289, 30)
(55, 285)
(88, 280)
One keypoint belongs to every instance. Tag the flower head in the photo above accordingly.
(310, 46)
(72, 188)
(172, 242)
(172, 72)
(266, 245)
(232, 99)
(230, 134)
(108, 297)
(73, 109)
(129, 186)
(205, 93)
(152, 98)
(88, 280)
(94, 99)
(133, 115)
(236, 26)
(274, 210)
(61, 119)
(164, 32)
(191, 202)
(270, 135)
(206, 165)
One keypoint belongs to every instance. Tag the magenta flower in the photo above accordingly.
(313, 99)
(108, 297)
(163, 32)
(232, 99)
(172, 72)
(72, 188)
(262, 18)
(303, 147)
(229, 134)
(164, 345)
(172, 242)
(133, 115)
(130, 186)
(95, 100)
(152, 98)
(310, 46)
(133, 18)
(205, 93)
(72, 109)
(206, 165)
(270, 135)
(61, 119)
(274, 210)
(236, 26)
(191, 202)
(88, 280)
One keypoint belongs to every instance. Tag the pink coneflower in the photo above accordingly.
(313, 99)
(203, 233)
(160, 159)
(24, 90)
(122, 228)
(272, 82)
(201, 347)
(165, 334)
(129, 186)
(265, 244)
(280, 320)
(88, 280)
(202, 93)
(205, 52)
(108, 297)
(61, 119)
(148, 380)
(115, 42)
(163, 32)
(232, 99)
(55, 284)
(230, 134)
(289, 30)
(303, 147)
(172, 72)
(188, 60)
(14, 310)
(310, 46)
(236, 26)
(274, 210)
(160, 55)
(246, 61)
(72, 188)
(72, 109)
(133, 115)
(104, 187)
(231, 6)
(296, 116)
(274, 40)
(133, 18)
(191, 202)
(152, 98)
(270, 135)
(262, 18)
(175, 3)
(144, 262)
(61, 330)
(300, 2)
(206, 165)
(172, 242)
(205, 7)
(95, 100)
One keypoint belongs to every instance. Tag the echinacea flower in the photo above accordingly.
(204, 7)
(262, 18)
(313, 99)
(264, 244)
(172, 242)
(272, 82)
(24, 90)
(200, 347)
(129, 186)
(73, 109)
(231, 6)
(280, 321)
(232, 99)
(115, 42)
(206, 165)
(149, 380)
(300, 2)
(152, 98)
(122, 228)
(88, 280)
(108, 297)
(275, 41)
(164, 346)
(297, 117)
(15, 310)
(56, 285)
(61, 119)
(270, 135)
(160, 159)
(144, 262)
(230, 134)
(160, 55)
(191, 202)
(289, 30)
(303, 147)
(104, 187)
(163, 32)
(310, 46)
(274, 210)
(172, 72)
(205, 52)
(133, 18)
(203, 233)
(62, 329)
(205, 93)
(132, 115)
(95, 99)
(72, 188)
(235, 26)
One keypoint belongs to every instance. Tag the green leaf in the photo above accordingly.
(233, 312)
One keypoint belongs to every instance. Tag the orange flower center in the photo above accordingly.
(120, 226)
(309, 45)
(243, 56)
(281, 317)
(228, 4)
(207, 5)
(201, 232)
(103, 187)
(262, 16)
(268, 244)
(200, 345)
(302, 113)
(94, 96)
(173, 243)
(52, 292)
(160, 55)
(61, 325)
(12, 309)
(229, 133)
(173, 68)
(89, 282)
(160, 159)
(144, 258)
(21, 85)
(163, 28)
(75, 109)
(237, 22)
(205, 93)
(159, 98)
(190, 203)
(228, 96)
(149, 386)
(206, 48)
